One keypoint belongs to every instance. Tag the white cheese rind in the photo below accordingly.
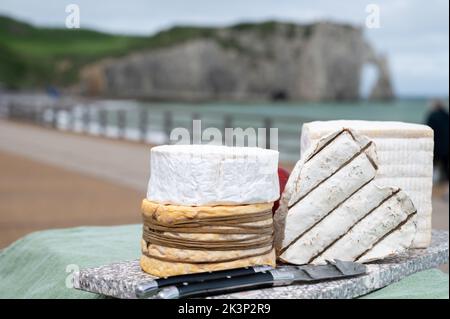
(206, 175)
(325, 198)
(329, 159)
(394, 243)
(339, 211)
(405, 160)
(365, 234)
(337, 223)
(325, 163)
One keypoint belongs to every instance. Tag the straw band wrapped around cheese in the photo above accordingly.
(208, 208)
(205, 238)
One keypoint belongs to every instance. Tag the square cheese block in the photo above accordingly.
(207, 175)
(405, 160)
(332, 207)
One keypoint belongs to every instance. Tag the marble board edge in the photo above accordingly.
(120, 279)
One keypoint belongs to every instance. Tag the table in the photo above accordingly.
(41, 264)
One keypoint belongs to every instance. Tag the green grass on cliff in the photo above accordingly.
(32, 57)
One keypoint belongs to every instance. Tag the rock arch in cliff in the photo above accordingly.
(369, 77)
(381, 88)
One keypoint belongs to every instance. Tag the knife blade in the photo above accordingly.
(151, 287)
(281, 276)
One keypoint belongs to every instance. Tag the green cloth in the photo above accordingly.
(40, 264)
(429, 284)
(35, 266)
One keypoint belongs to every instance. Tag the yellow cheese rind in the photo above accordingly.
(185, 261)
(206, 255)
(170, 213)
(161, 268)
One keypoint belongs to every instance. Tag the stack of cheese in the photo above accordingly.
(333, 207)
(208, 208)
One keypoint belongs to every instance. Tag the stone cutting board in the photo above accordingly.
(120, 279)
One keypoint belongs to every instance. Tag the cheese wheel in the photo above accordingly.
(334, 209)
(161, 260)
(207, 175)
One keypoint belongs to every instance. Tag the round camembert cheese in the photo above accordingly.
(208, 175)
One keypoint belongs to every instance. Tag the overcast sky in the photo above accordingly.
(413, 34)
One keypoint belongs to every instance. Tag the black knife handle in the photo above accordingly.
(253, 281)
(199, 277)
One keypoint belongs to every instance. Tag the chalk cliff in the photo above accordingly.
(316, 62)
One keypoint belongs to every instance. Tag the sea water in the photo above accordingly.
(286, 117)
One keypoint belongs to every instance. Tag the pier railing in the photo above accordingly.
(147, 124)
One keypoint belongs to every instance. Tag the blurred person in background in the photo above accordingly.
(438, 120)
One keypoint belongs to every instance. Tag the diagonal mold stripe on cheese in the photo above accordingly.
(392, 194)
(313, 227)
(301, 195)
(321, 200)
(335, 225)
(323, 143)
(383, 221)
(331, 158)
(398, 240)
(408, 218)
(327, 142)
(330, 154)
